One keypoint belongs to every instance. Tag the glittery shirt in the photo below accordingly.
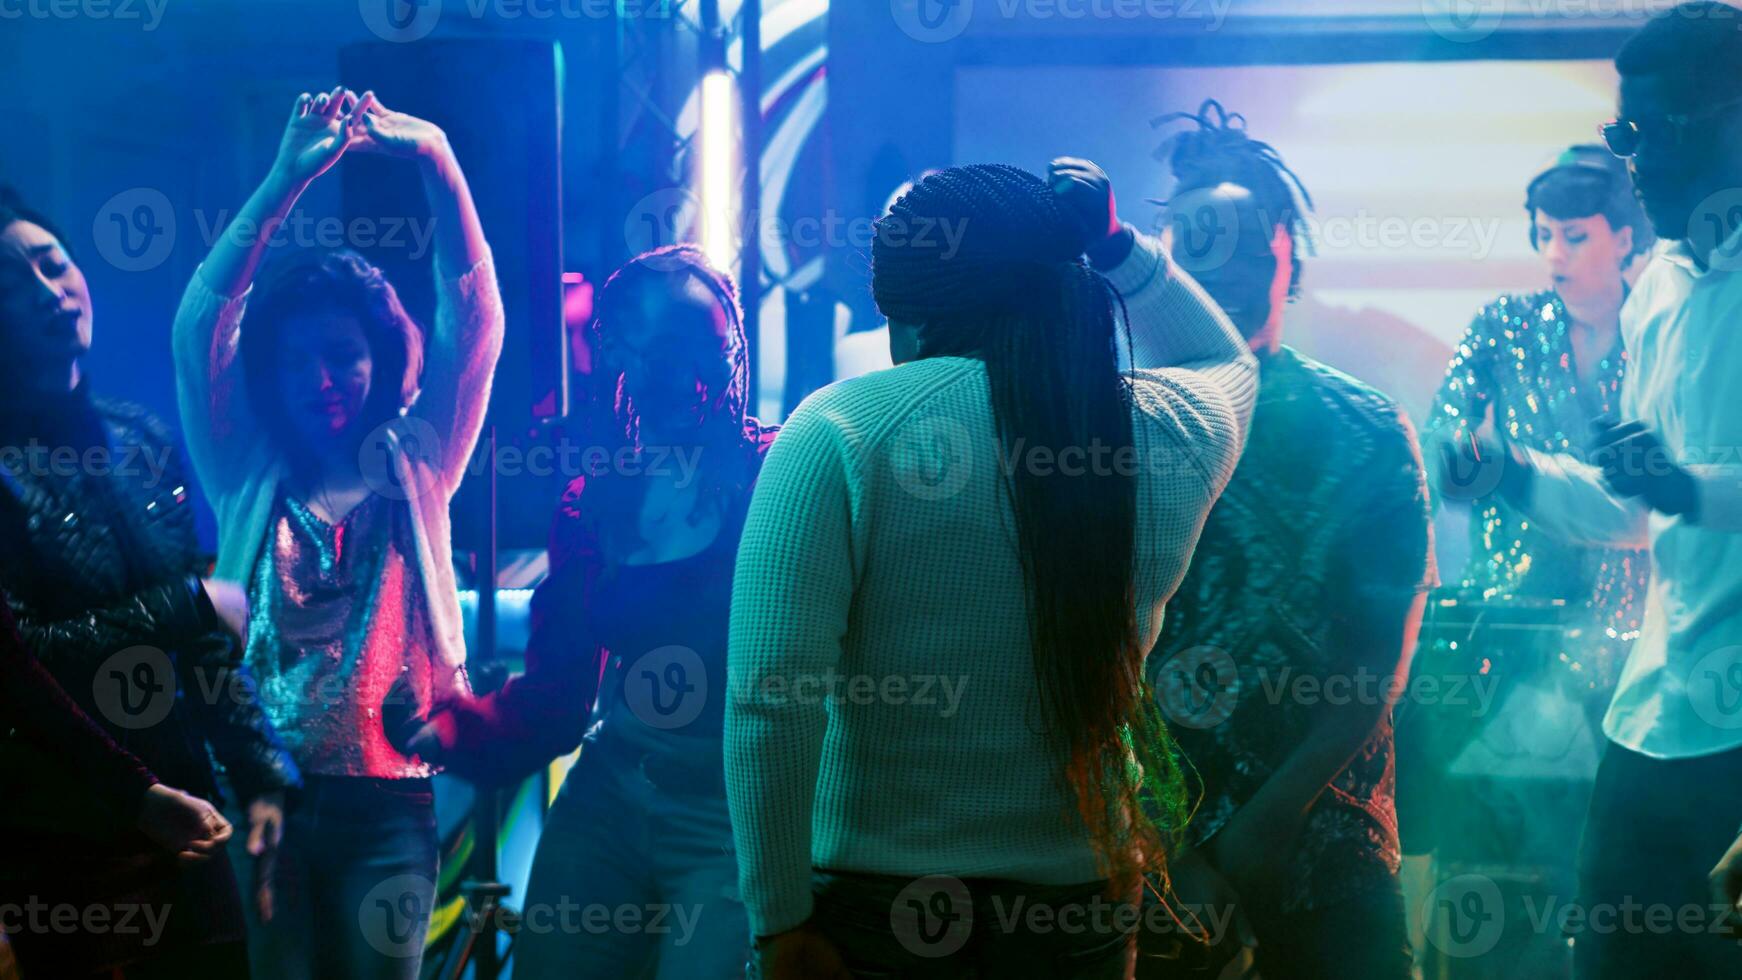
(1325, 519)
(1517, 360)
(339, 615)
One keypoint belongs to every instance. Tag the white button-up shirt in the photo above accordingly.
(1680, 692)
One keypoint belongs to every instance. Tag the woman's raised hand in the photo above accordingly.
(317, 134)
(374, 128)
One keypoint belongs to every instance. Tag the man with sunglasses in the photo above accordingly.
(1668, 796)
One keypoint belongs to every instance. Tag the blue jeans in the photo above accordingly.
(943, 927)
(354, 883)
(632, 879)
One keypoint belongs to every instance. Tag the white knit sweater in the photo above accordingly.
(884, 714)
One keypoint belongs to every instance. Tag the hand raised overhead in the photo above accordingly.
(315, 136)
(374, 128)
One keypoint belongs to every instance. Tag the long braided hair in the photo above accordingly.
(1219, 151)
(727, 475)
(1014, 291)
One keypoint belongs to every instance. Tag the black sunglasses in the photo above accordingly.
(1623, 136)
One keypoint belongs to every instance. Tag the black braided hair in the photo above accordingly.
(1011, 288)
(1219, 152)
(726, 475)
(658, 267)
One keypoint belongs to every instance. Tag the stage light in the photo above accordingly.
(719, 170)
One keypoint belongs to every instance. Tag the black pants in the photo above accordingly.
(84, 909)
(891, 926)
(1363, 938)
(1656, 827)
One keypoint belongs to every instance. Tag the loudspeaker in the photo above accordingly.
(499, 101)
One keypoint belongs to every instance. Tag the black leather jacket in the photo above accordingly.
(99, 558)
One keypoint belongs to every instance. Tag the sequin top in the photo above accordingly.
(338, 616)
(1517, 359)
(1326, 516)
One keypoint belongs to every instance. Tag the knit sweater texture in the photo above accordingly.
(883, 714)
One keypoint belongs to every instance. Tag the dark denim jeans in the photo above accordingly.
(354, 885)
(944, 927)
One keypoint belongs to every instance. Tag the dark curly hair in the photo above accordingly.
(318, 282)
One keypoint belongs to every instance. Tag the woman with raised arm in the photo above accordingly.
(331, 434)
(951, 573)
(103, 574)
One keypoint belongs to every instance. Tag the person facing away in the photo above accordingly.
(949, 577)
(1314, 564)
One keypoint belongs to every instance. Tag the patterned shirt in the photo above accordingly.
(1516, 360)
(1326, 513)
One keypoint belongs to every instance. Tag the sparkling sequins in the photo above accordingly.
(1531, 385)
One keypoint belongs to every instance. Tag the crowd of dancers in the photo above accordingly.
(937, 723)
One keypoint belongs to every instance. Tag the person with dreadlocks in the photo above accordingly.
(1314, 564)
(951, 573)
(628, 644)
